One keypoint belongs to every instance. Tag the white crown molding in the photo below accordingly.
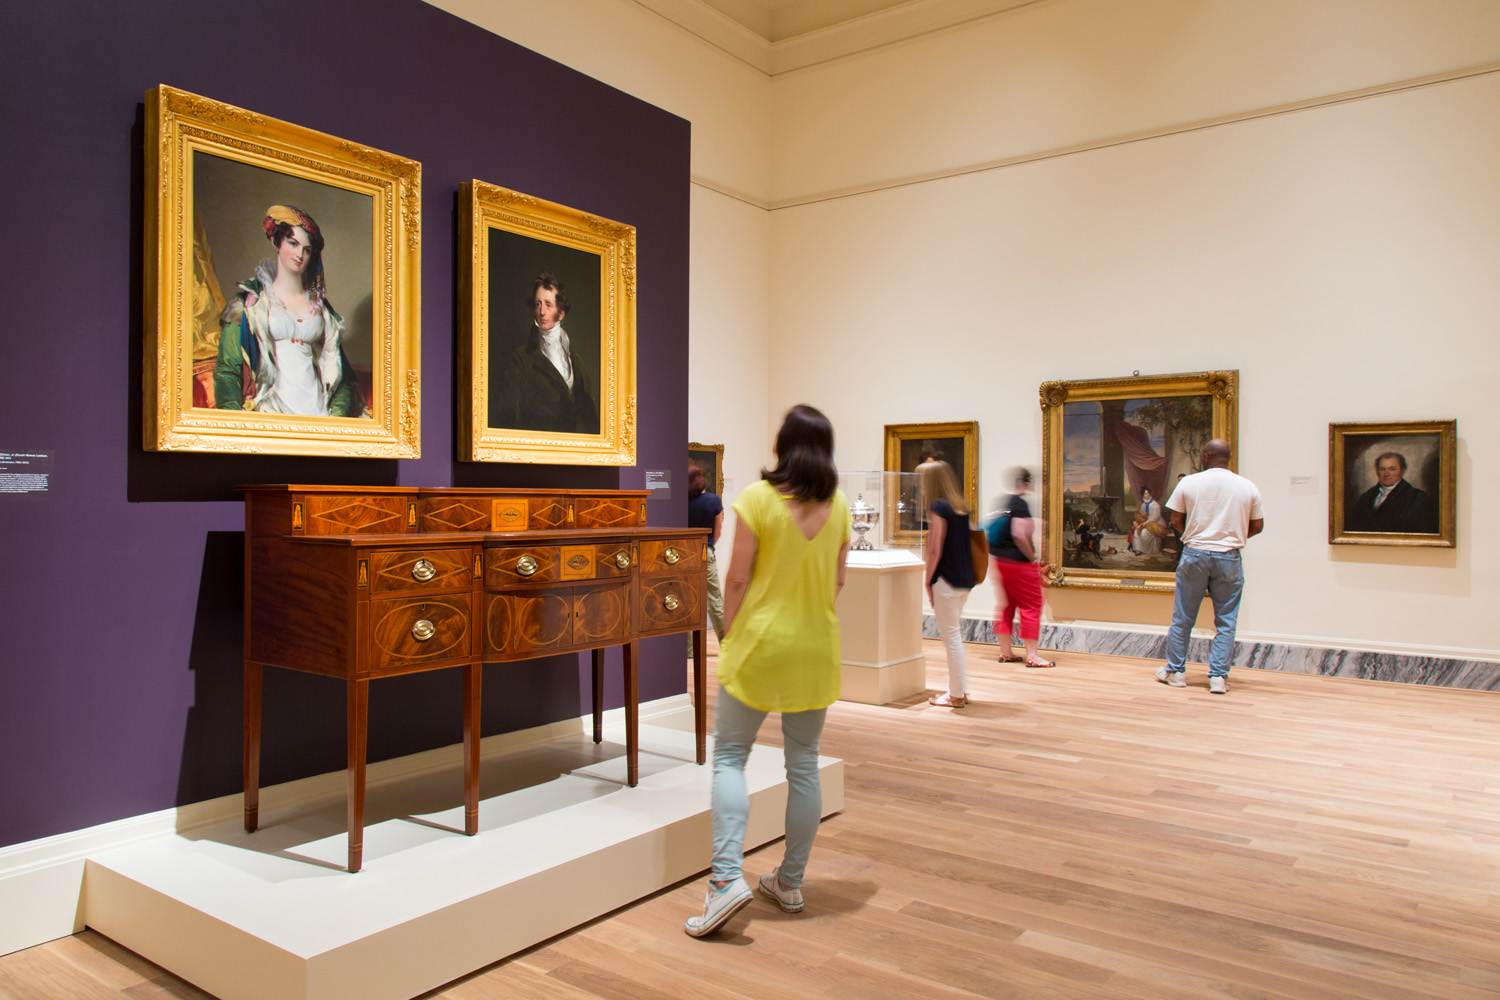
(719, 30)
(891, 26)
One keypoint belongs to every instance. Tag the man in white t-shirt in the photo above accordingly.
(1216, 512)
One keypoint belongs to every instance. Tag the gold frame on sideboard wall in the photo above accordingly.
(483, 206)
(180, 124)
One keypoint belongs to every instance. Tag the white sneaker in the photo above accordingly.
(1218, 685)
(789, 900)
(718, 906)
(1171, 678)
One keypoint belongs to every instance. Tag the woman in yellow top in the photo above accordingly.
(780, 653)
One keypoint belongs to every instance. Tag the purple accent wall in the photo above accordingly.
(120, 655)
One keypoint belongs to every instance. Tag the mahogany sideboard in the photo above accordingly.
(365, 582)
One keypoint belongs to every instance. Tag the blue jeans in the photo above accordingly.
(735, 726)
(1222, 575)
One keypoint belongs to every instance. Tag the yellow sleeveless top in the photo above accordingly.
(782, 652)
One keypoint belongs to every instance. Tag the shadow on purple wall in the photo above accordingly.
(123, 693)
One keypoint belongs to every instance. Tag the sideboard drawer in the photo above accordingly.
(601, 614)
(538, 513)
(409, 632)
(671, 603)
(349, 514)
(607, 512)
(521, 564)
(428, 571)
(614, 559)
(672, 555)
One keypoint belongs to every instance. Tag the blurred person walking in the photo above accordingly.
(706, 510)
(1015, 538)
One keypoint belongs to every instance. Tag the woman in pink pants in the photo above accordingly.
(1020, 576)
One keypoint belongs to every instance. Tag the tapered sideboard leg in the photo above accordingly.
(358, 720)
(473, 681)
(250, 758)
(632, 715)
(598, 695)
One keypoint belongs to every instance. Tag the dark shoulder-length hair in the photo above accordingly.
(697, 481)
(804, 456)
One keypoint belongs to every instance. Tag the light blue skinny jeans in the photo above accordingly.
(735, 726)
(1222, 576)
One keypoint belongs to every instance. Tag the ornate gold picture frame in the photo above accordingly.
(709, 458)
(559, 394)
(282, 287)
(905, 447)
(1393, 483)
(1112, 452)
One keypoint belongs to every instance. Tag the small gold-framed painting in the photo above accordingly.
(282, 271)
(1113, 451)
(709, 458)
(908, 446)
(546, 332)
(1393, 483)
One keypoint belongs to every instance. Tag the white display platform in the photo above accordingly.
(561, 840)
(880, 627)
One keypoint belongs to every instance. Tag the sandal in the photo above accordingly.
(1012, 658)
(946, 700)
(1041, 664)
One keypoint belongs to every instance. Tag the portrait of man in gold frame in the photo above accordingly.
(1393, 483)
(546, 332)
(906, 447)
(709, 458)
(282, 287)
(1113, 451)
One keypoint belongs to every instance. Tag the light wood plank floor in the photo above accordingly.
(1078, 832)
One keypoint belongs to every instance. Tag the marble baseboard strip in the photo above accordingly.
(1326, 661)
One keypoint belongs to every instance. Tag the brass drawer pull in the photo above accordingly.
(622, 559)
(423, 571)
(671, 556)
(670, 602)
(423, 630)
(526, 565)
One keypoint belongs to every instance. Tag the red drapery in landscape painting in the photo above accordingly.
(1144, 468)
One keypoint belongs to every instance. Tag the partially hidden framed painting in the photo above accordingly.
(546, 332)
(709, 458)
(282, 284)
(1393, 483)
(1112, 452)
(908, 446)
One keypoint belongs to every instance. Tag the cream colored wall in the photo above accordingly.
(626, 45)
(1059, 73)
(1341, 258)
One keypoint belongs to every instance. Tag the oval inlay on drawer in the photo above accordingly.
(406, 631)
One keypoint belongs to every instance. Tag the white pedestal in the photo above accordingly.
(561, 841)
(880, 627)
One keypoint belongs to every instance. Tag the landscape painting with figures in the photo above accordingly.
(1121, 460)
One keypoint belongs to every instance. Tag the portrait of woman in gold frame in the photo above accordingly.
(546, 332)
(1393, 483)
(282, 287)
(906, 445)
(1112, 453)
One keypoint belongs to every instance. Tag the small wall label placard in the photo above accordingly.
(25, 472)
(659, 484)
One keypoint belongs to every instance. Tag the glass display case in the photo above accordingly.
(886, 510)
